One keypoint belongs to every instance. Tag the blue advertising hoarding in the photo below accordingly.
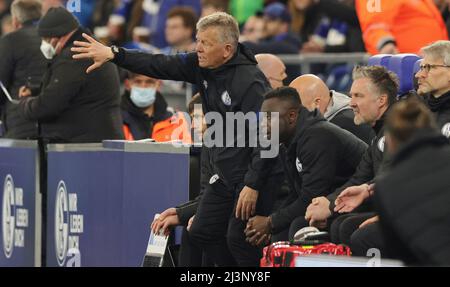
(20, 199)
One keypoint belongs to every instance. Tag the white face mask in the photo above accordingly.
(48, 50)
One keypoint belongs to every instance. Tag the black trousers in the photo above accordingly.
(218, 233)
(367, 238)
(343, 226)
(190, 255)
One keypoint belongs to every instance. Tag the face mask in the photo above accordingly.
(48, 50)
(143, 97)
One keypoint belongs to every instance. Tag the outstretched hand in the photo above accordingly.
(92, 49)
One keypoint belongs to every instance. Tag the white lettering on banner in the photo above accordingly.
(73, 202)
(68, 226)
(19, 238)
(19, 196)
(76, 223)
(21, 217)
(14, 217)
(74, 258)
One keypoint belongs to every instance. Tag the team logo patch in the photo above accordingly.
(299, 165)
(446, 130)
(226, 99)
(213, 179)
(381, 143)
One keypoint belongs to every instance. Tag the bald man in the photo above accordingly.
(334, 106)
(273, 68)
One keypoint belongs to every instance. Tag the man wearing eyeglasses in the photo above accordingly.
(434, 82)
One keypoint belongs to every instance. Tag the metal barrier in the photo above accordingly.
(305, 61)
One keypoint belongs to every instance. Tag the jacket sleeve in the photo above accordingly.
(187, 210)
(67, 78)
(6, 65)
(260, 166)
(364, 173)
(181, 67)
(376, 26)
(318, 156)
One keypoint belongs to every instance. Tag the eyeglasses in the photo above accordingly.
(428, 67)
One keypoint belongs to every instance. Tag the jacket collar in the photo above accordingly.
(421, 139)
(439, 104)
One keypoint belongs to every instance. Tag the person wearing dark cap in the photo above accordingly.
(278, 37)
(71, 106)
(22, 64)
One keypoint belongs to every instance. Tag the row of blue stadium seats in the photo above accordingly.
(404, 65)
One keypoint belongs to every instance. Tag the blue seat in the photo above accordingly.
(380, 60)
(403, 65)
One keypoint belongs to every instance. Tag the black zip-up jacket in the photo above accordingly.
(139, 123)
(73, 106)
(413, 199)
(441, 108)
(320, 157)
(370, 165)
(236, 86)
(21, 63)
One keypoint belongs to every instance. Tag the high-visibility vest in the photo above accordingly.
(412, 24)
(176, 127)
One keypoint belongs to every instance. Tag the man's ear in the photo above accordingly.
(15, 23)
(228, 51)
(317, 102)
(127, 85)
(292, 116)
(384, 99)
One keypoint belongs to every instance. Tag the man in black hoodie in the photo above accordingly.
(318, 157)
(229, 82)
(434, 82)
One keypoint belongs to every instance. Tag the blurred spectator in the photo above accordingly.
(401, 26)
(278, 38)
(140, 40)
(102, 34)
(117, 32)
(180, 30)
(47, 4)
(253, 30)
(72, 106)
(22, 64)
(243, 9)
(7, 25)
(326, 26)
(103, 9)
(155, 16)
(211, 6)
(334, 106)
(273, 68)
(277, 25)
(145, 113)
(4, 9)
